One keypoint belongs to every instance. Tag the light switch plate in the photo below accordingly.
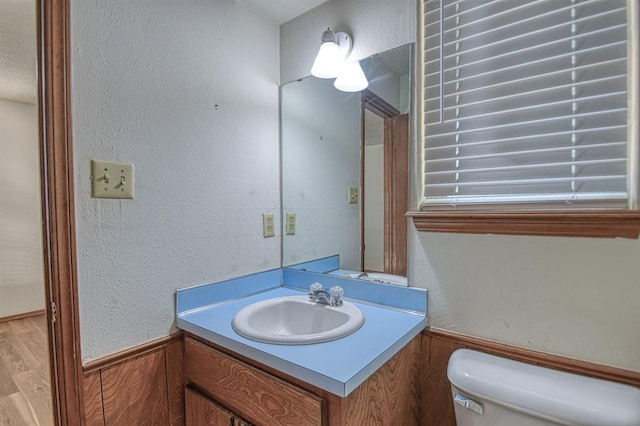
(111, 180)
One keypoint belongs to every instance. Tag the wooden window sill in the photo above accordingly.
(602, 224)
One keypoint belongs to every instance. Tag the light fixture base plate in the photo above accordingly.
(345, 43)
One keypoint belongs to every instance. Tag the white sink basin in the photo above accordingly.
(295, 320)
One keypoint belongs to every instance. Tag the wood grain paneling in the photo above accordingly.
(437, 406)
(396, 186)
(438, 345)
(142, 383)
(540, 358)
(257, 396)
(201, 411)
(130, 353)
(135, 391)
(175, 380)
(93, 410)
(396, 181)
(391, 395)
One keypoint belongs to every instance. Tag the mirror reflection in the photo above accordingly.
(344, 168)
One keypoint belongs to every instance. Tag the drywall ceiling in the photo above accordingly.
(282, 11)
(18, 51)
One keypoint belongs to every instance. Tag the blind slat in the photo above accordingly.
(510, 96)
(529, 137)
(563, 149)
(565, 164)
(530, 181)
(619, 63)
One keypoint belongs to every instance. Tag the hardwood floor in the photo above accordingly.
(25, 392)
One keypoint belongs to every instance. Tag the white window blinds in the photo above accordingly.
(526, 102)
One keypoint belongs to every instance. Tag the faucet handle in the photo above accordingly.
(316, 287)
(336, 293)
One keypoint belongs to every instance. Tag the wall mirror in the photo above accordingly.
(344, 167)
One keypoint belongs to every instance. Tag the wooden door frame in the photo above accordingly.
(395, 228)
(396, 182)
(58, 211)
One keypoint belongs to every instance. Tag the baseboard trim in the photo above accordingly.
(539, 358)
(130, 353)
(23, 315)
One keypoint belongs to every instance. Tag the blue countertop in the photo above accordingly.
(338, 366)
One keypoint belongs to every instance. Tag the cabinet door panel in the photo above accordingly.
(201, 411)
(255, 395)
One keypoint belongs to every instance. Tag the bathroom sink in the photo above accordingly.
(295, 320)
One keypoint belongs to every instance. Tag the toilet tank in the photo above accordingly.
(489, 390)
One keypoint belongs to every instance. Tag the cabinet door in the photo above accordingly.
(257, 395)
(201, 411)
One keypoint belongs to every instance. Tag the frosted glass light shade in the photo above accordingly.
(351, 78)
(334, 50)
(328, 61)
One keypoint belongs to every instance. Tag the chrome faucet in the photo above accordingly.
(333, 297)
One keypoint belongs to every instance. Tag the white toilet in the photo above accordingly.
(493, 391)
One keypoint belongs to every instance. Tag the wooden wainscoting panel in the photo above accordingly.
(385, 398)
(543, 359)
(140, 384)
(175, 381)
(93, 410)
(128, 354)
(253, 394)
(437, 405)
(135, 391)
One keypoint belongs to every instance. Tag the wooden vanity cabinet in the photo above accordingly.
(221, 383)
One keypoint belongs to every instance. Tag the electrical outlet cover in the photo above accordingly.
(268, 225)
